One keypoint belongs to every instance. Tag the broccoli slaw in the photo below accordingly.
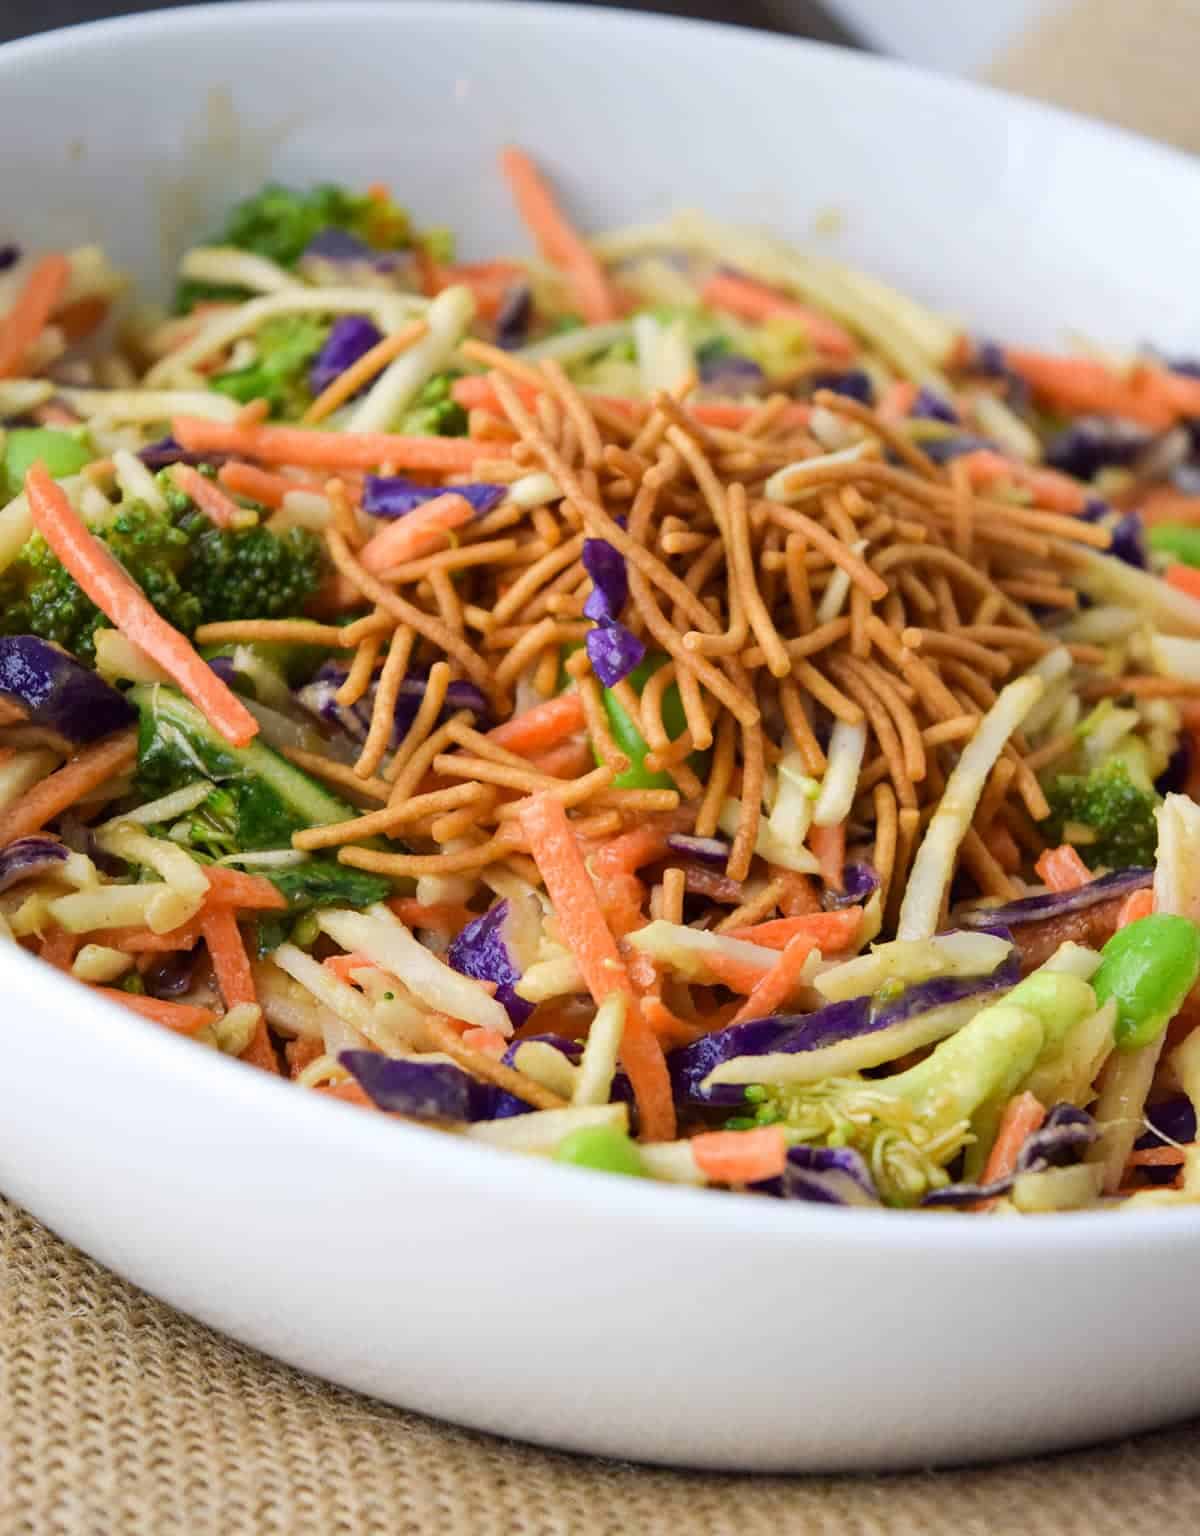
(670, 704)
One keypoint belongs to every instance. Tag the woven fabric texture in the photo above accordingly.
(119, 1417)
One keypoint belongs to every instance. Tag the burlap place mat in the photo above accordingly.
(119, 1415)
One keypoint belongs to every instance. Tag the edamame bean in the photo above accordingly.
(63, 453)
(1148, 968)
(1176, 539)
(603, 1148)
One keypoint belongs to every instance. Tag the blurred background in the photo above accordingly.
(1134, 62)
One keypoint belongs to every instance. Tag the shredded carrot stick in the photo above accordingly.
(344, 966)
(557, 239)
(262, 486)
(898, 399)
(301, 1053)
(311, 449)
(86, 771)
(77, 321)
(442, 916)
(227, 952)
(58, 948)
(1184, 578)
(583, 930)
(829, 846)
(671, 1030)
(420, 532)
(799, 895)
(1163, 505)
(1022, 1116)
(489, 1041)
(1050, 489)
(352, 379)
(123, 601)
(249, 893)
(741, 1157)
(489, 282)
(1082, 385)
(749, 300)
(542, 727)
(1137, 904)
(831, 932)
(1155, 1157)
(211, 500)
(29, 316)
(142, 941)
(777, 988)
(1063, 870)
(184, 1018)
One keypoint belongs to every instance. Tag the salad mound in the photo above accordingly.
(669, 703)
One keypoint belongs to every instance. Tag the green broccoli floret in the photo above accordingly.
(434, 413)
(253, 573)
(38, 597)
(192, 572)
(1107, 801)
(279, 222)
(286, 347)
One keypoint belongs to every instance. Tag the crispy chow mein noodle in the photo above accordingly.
(673, 705)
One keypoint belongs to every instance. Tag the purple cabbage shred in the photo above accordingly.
(351, 337)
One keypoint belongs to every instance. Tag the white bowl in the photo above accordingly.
(592, 1313)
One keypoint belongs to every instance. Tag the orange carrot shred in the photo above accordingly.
(1022, 1116)
(829, 846)
(557, 239)
(86, 771)
(1136, 905)
(749, 300)
(211, 500)
(422, 531)
(1062, 869)
(741, 1157)
(542, 727)
(829, 931)
(583, 930)
(312, 449)
(227, 951)
(29, 316)
(778, 986)
(184, 1018)
(120, 598)
(1184, 578)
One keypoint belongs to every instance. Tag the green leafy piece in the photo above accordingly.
(434, 413)
(279, 222)
(192, 572)
(259, 799)
(1118, 811)
(286, 347)
(63, 453)
(324, 883)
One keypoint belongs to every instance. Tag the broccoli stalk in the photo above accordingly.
(1116, 811)
(192, 572)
